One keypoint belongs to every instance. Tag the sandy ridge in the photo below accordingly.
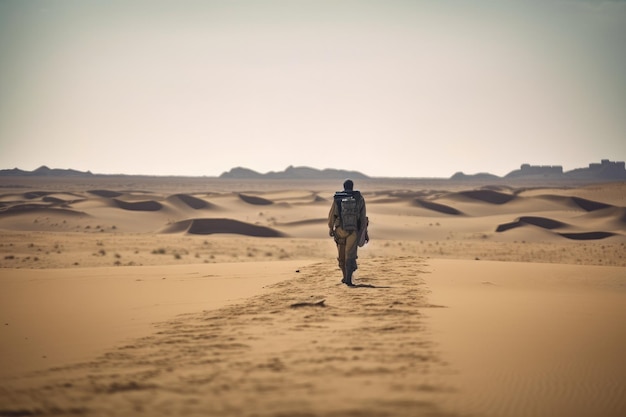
(296, 213)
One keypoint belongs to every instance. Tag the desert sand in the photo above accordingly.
(197, 296)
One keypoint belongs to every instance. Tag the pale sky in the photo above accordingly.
(388, 88)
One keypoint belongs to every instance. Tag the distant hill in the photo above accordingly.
(605, 170)
(44, 171)
(459, 176)
(240, 172)
(292, 173)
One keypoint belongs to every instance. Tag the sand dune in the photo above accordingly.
(258, 201)
(287, 212)
(550, 224)
(222, 298)
(316, 222)
(148, 205)
(441, 208)
(587, 235)
(105, 193)
(487, 196)
(191, 201)
(621, 216)
(530, 220)
(53, 198)
(589, 205)
(56, 200)
(29, 210)
(228, 226)
(616, 214)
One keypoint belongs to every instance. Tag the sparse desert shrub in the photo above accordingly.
(159, 251)
(177, 256)
(102, 252)
(117, 256)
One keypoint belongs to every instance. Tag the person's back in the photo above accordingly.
(348, 209)
(347, 221)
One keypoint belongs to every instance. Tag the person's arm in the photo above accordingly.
(362, 212)
(332, 216)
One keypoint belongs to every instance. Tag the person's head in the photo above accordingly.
(348, 185)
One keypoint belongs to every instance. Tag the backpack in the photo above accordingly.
(348, 211)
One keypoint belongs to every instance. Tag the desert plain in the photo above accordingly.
(161, 296)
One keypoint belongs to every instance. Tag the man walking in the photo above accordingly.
(347, 223)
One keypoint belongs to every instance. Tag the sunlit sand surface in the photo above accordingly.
(131, 296)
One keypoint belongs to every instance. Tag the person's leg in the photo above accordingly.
(350, 257)
(340, 240)
(342, 260)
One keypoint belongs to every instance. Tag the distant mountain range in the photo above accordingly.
(44, 171)
(293, 173)
(605, 170)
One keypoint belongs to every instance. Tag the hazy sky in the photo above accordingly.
(389, 88)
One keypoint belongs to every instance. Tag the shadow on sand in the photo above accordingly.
(365, 286)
